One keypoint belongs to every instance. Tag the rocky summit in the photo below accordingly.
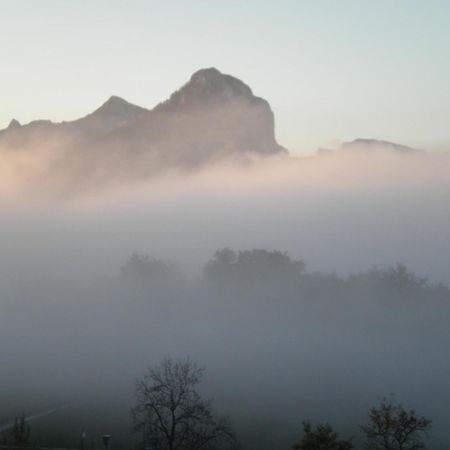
(212, 117)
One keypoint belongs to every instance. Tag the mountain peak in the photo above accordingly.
(117, 106)
(14, 124)
(208, 87)
(209, 72)
(112, 114)
(114, 99)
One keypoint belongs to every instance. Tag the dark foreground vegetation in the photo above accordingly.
(169, 413)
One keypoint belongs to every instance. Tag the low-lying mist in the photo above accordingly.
(341, 212)
(281, 343)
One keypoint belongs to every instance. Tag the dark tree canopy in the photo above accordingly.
(249, 267)
(392, 427)
(152, 269)
(321, 437)
(396, 278)
(172, 414)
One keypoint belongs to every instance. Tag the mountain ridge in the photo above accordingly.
(211, 118)
(233, 119)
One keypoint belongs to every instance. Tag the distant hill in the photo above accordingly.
(374, 145)
(212, 117)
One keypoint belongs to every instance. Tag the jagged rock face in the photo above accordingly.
(206, 88)
(213, 116)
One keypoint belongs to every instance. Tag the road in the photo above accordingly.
(46, 412)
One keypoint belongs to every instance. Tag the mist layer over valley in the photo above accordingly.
(299, 283)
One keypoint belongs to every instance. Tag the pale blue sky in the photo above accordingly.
(332, 70)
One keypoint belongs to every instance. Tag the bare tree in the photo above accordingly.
(171, 413)
(392, 427)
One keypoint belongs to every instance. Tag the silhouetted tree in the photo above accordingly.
(142, 267)
(250, 268)
(221, 266)
(392, 427)
(322, 437)
(172, 413)
(18, 435)
(395, 278)
(152, 279)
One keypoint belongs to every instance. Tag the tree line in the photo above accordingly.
(271, 273)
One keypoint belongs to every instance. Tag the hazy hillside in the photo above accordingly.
(377, 145)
